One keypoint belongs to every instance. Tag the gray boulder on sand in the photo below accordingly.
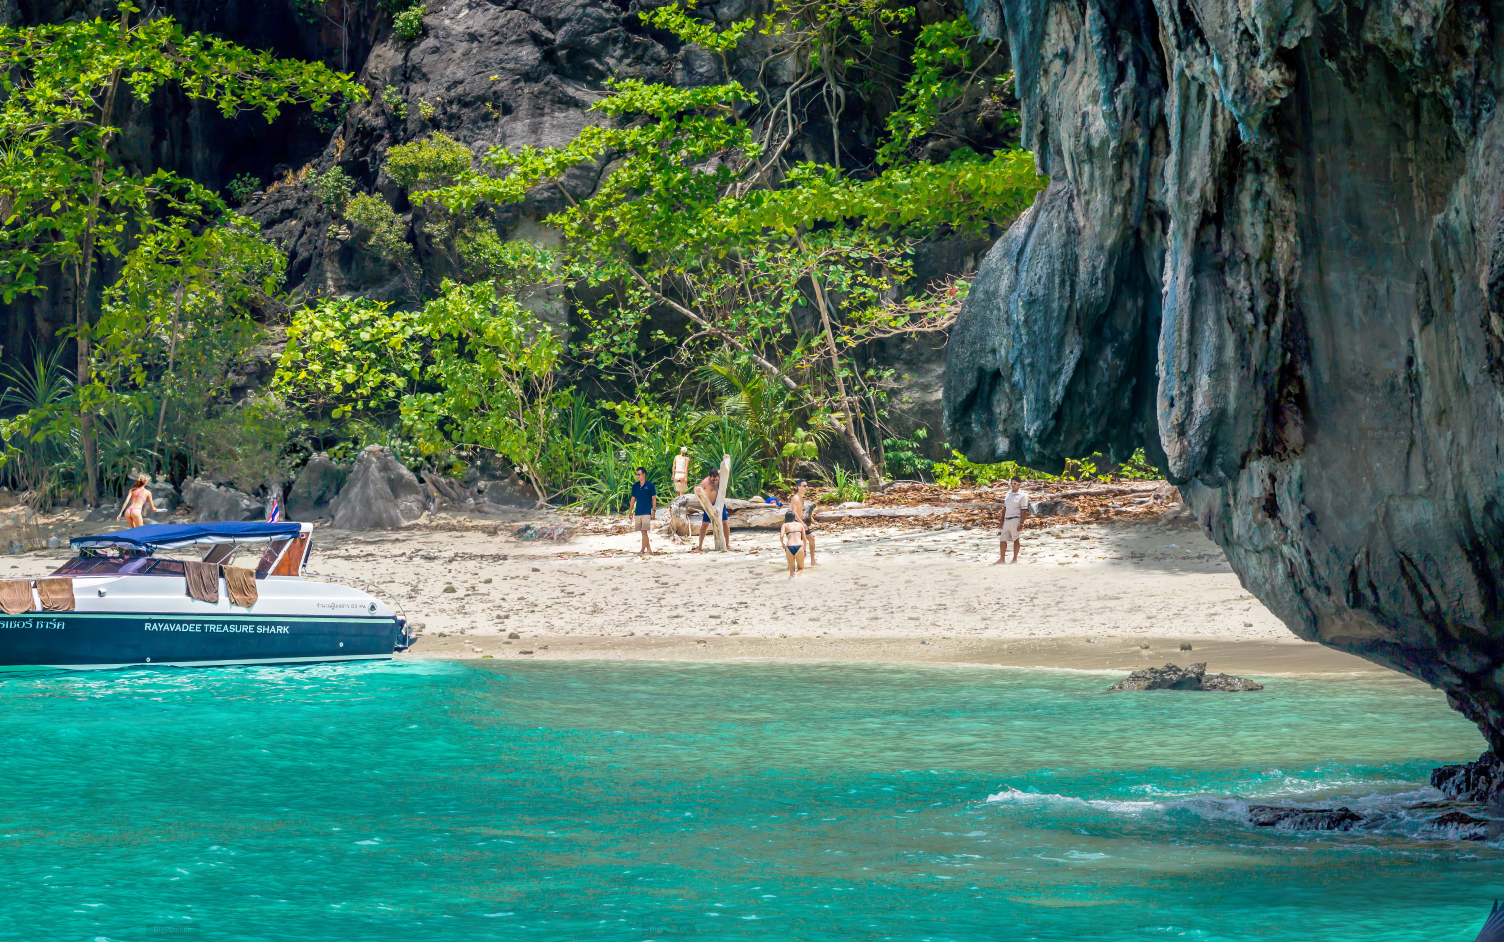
(163, 495)
(1194, 677)
(317, 486)
(380, 494)
(214, 504)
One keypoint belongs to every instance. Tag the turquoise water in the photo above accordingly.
(594, 801)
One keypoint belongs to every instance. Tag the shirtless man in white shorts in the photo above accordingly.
(796, 503)
(1016, 510)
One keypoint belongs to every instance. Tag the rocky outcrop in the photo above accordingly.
(381, 494)
(212, 503)
(1194, 677)
(1479, 780)
(1272, 251)
(314, 492)
(164, 496)
(1303, 819)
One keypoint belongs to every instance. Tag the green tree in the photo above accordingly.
(350, 355)
(491, 372)
(793, 278)
(183, 294)
(65, 198)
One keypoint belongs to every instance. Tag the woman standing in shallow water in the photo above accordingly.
(138, 497)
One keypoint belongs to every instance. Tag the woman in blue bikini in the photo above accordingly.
(792, 535)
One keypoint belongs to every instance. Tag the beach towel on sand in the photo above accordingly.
(57, 594)
(203, 581)
(241, 584)
(15, 596)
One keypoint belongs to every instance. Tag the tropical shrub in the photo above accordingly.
(242, 188)
(489, 381)
(384, 231)
(1138, 468)
(350, 355)
(847, 486)
(724, 435)
(244, 445)
(959, 470)
(334, 187)
(408, 25)
(902, 458)
(36, 441)
(392, 98)
(437, 160)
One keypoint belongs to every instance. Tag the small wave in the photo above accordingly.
(1103, 671)
(1411, 814)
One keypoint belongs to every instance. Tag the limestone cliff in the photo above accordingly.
(1273, 245)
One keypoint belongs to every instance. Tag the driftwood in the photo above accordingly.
(1106, 490)
(684, 514)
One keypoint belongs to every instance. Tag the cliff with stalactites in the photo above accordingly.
(1273, 248)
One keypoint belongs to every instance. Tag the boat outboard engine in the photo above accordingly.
(405, 636)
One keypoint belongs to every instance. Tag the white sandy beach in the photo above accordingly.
(1094, 596)
(1116, 595)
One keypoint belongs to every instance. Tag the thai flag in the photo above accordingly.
(274, 512)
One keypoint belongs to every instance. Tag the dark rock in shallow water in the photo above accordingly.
(1194, 677)
(1461, 826)
(1227, 683)
(1479, 780)
(1303, 819)
(1271, 251)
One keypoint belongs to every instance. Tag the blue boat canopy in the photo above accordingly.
(169, 535)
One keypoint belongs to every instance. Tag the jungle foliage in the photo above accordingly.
(726, 294)
(190, 272)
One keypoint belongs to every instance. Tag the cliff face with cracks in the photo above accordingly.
(1273, 247)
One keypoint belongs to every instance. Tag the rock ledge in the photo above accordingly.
(1194, 677)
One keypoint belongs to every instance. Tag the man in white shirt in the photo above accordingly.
(1016, 510)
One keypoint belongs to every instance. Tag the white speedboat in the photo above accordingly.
(129, 607)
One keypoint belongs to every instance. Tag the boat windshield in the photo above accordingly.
(120, 566)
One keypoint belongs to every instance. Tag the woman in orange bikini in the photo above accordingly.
(138, 498)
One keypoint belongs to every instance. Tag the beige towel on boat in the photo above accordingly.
(241, 584)
(57, 594)
(15, 596)
(203, 581)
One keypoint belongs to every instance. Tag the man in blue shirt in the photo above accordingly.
(644, 505)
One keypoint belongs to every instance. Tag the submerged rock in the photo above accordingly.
(1461, 826)
(380, 494)
(1271, 252)
(1303, 819)
(1171, 677)
(1227, 683)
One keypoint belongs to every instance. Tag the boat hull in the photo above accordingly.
(87, 640)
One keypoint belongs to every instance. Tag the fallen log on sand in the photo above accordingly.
(684, 514)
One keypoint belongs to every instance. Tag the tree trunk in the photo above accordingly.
(81, 367)
(85, 269)
(172, 351)
(848, 432)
